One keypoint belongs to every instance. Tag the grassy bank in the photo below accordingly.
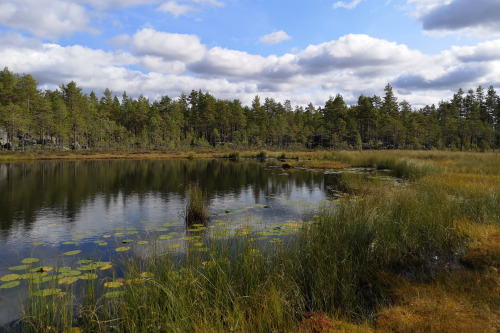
(421, 256)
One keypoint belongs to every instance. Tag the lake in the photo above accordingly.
(60, 213)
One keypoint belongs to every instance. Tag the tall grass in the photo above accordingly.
(196, 210)
(334, 264)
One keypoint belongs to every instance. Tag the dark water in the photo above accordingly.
(49, 203)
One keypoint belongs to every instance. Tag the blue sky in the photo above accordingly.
(304, 51)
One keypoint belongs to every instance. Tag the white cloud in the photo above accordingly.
(47, 19)
(351, 65)
(178, 8)
(169, 46)
(275, 38)
(175, 8)
(350, 5)
(441, 17)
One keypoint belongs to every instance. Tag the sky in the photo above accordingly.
(299, 50)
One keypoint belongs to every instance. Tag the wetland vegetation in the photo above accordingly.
(420, 253)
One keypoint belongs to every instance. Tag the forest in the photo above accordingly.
(66, 118)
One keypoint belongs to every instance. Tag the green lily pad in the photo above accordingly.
(142, 242)
(71, 253)
(113, 284)
(63, 269)
(37, 243)
(47, 292)
(146, 275)
(19, 268)
(10, 277)
(70, 243)
(119, 229)
(68, 280)
(84, 261)
(76, 238)
(114, 294)
(41, 269)
(122, 249)
(88, 276)
(125, 241)
(102, 243)
(30, 260)
(132, 233)
(9, 285)
(165, 237)
(174, 246)
(42, 279)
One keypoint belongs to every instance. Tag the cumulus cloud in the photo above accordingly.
(178, 8)
(349, 5)
(478, 17)
(159, 63)
(169, 46)
(47, 19)
(275, 38)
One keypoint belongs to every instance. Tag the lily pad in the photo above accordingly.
(122, 249)
(113, 284)
(10, 277)
(42, 279)
(125, 241)
(114, 294)
(84, 261)
(106, 236)
(174, 246)
(142, 242)
(9, 285)
(162, 229)
(41, 269)
(70, 243)
(165, 237)
(103, 268)
(88, 276)
(68, 280)
(71, 253)
(19, 268)
(102, 243)
(30, 260)
(37, 243)
(146, 275)
(63, 269)
(47, 292)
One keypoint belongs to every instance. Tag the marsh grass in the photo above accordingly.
(196, 210)
(362, 259)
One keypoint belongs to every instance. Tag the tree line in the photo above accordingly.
(66, 118)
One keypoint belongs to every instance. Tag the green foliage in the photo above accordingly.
(68, 118)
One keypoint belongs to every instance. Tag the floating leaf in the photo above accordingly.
(41, 269)
(113, 284)
(63, 269)
(40, 280)
(102, 243)
(162, 229)
(68, 280)
(84, 233)
(19, 268)
(125, 241)
(37, 243)
(89, 276)
(119, 229)
(30, 260)
(70, 243)
(71, 253)
(72, 273)
(198, 244)
(10, 277)
(174, 246)
(119, 234)
(94, 265)
(143, 222)
(47, 292)
(135, 281)
(84, 261)
(76, 238)
(114, 294)
(146, 275)
(142, 242)
(165, 237)
(103, 268)
(132, 233)
(9, 285)
(122, 249)
(106, 236)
